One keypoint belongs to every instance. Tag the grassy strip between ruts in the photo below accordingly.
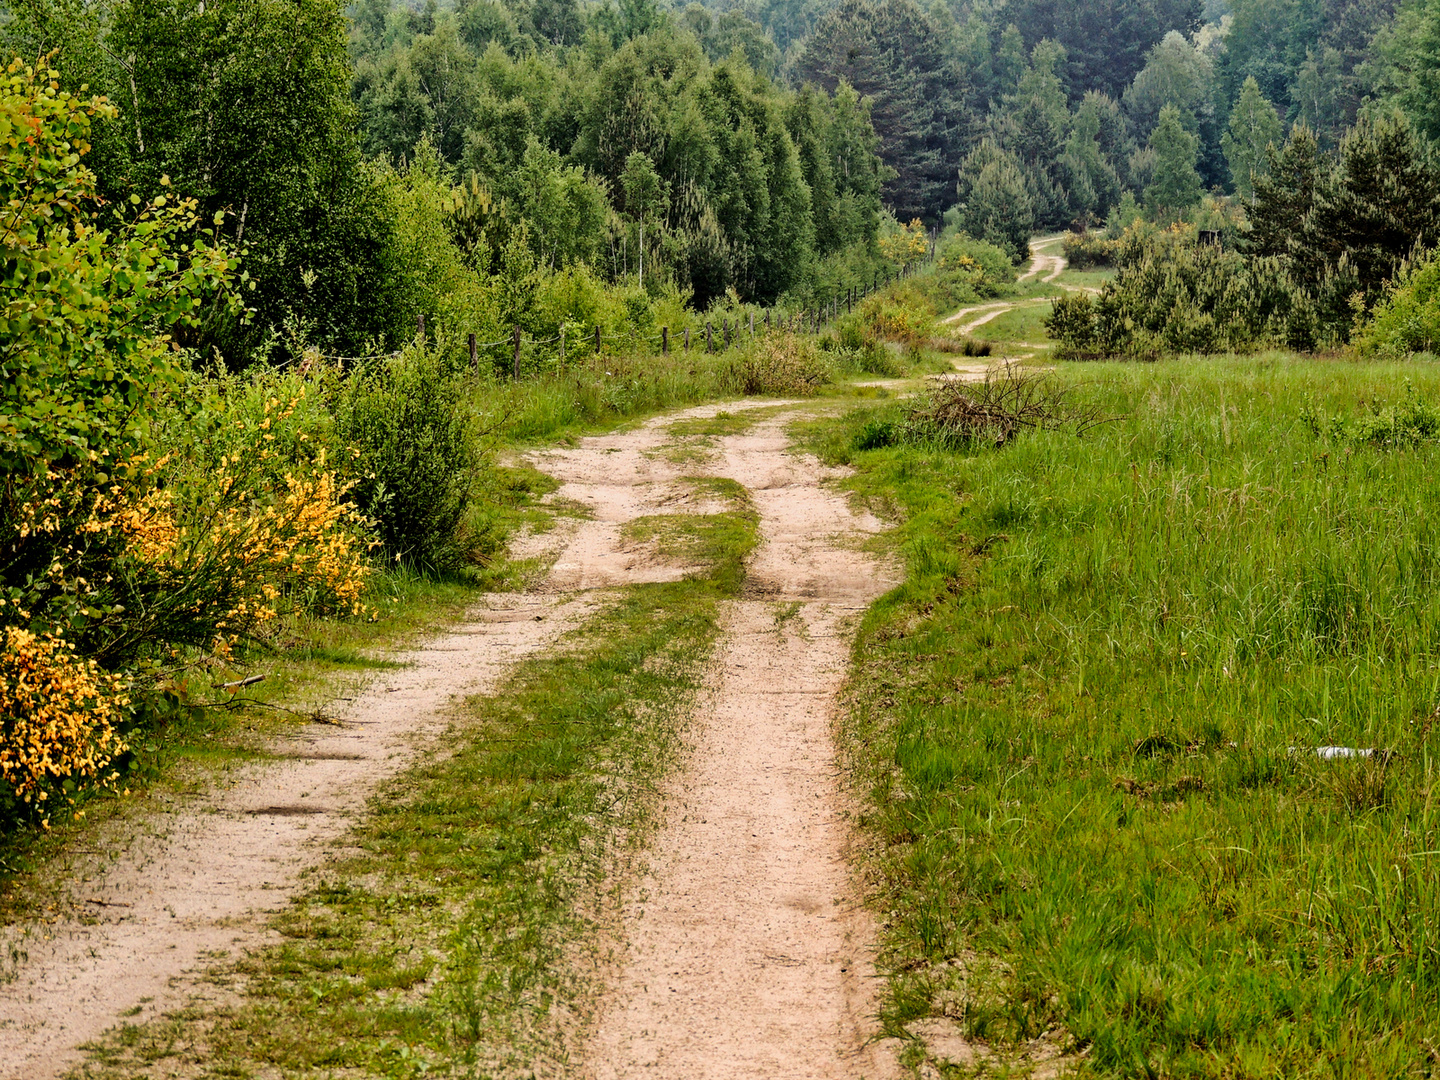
(1088, 725)
(460, 935)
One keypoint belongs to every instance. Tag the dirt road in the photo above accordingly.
(190, 880)
(746, 948)
(746, 942)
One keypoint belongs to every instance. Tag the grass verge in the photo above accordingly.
(1087, 726)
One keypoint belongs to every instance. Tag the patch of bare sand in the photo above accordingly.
(196, 879)
(748, 952)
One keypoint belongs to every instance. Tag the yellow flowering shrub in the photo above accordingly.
(58, 719)
(301, 547)
(905, 243)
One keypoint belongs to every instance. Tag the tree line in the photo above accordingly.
(388, 160)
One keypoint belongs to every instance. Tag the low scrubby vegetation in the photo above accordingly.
(1172, 294)
(1333, 245)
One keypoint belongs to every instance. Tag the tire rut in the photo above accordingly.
(749, 895)
(747, 951)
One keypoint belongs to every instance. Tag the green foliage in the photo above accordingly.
(89, 295)
(1097, 141)
(1254, 131)
(994, 203)
(1106, 41)
(783, 365)
(1175, 74)
(1406, 319)
(415, 455)
(246, 105)
(1032, 125)
(1122, 215)
(1175, 185)
(1345, 227)
(1172, 294)
(890, 52)
(969, 268)
(1085, 250)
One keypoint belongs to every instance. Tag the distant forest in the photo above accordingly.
(758, 148)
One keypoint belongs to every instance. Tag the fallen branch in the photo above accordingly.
(1002, 406)
(239, 684)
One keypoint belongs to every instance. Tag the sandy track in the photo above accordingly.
(1042, 263)
(748, 954)
(196, 879)
(749, 902)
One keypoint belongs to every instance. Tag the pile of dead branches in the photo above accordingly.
(1008, 402)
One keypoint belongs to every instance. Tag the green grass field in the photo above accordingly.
(1023, 324)
(1087, 726)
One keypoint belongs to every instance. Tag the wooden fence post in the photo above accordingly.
(562, 345)
(752, 324)
(597, 339)
(517, 354)
(687, 339)
(664, 341)
(474, 355)
(420, 327)
(709, 338)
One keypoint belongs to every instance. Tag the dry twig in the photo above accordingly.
(1002, 406)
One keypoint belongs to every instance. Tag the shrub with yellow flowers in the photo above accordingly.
(902, 244)
(59, 716)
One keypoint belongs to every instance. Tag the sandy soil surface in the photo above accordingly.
(747, 951)
(1043, 264)
(194, 880)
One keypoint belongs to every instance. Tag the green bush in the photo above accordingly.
(1086, 250)
(1407, 318)
(784, 365)
(1174, 295)
(854, 353)
(969, 267)
(406, 419)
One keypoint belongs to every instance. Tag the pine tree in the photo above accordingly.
(1175, 185)
(994, 202)
(1254, 128)
(890, 51)
(1384, 203)
(1285, 195)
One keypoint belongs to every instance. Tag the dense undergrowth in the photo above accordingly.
(1088, 723)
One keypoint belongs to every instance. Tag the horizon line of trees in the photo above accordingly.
(754, 148)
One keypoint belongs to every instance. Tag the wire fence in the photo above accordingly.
(706, 336)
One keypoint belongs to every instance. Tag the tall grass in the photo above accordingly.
(1088, 725)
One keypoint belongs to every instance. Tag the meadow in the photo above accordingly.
(1088, 727)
